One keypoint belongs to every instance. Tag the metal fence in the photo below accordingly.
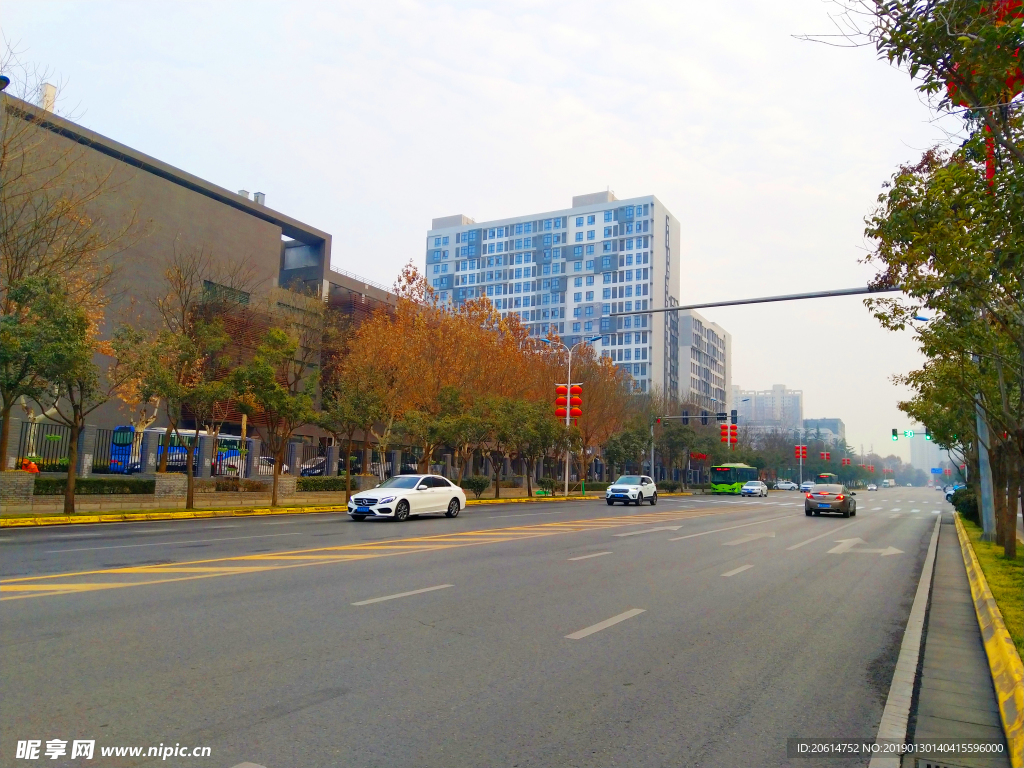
(45, 445)
(265, 462)
(229, 458)
(312, 461)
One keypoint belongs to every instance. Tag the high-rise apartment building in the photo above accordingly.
(777, 408)
(707, 348)
(567, 271)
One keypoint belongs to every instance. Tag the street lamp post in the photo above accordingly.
(568, 386)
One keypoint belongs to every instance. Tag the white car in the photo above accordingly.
(872, 487)
(806, 486)
(403, 495)
(632, 489)
(786, 485)
(754, 488)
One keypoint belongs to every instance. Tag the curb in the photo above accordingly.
(199, 514)
(1003, 660)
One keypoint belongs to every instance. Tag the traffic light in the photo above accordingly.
(575, 401)
(927, 434)
(895, 435)
(561, 400)
(686, 418)
(723, 430)
(908, 433)
(734, 417)
(722, 416)
(703, 417)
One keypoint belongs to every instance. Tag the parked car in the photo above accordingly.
(403, 495)
(786, 485)
(632, 489)
(754, 488)
(315, 467)
(910, 485)
(830, 498)
(806, 486)
(872, 487)
(951, 489)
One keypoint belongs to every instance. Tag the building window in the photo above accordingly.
(577, 250)
(216, 292)
(589, 313)
(606, 293)
(577, 282)
(547, 224)
(578, 296)
(607, 246)
(590, 278)
(579, 237)
(519, 229)
(607, 215)
(444, 240)
(591, 234)
(590, 295)
(578, 266)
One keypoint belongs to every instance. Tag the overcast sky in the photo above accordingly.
(369, 119)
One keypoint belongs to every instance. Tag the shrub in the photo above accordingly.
(253, 486)
(93, 486)
(597, 485)
(668, 486)
(964, 501)
(310, 484)
(547, 483)
(477, 484)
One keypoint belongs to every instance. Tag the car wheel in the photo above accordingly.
(807, 511)
(358, 518)
(817, 513)
(654, 499)
(453, 508)
(846, 512)
(610, 502)
(402, 511)
(853, 511)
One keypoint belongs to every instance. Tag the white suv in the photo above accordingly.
(632, 489)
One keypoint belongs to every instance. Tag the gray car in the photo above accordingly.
(830, 498)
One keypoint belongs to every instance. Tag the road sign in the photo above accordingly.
(936, 470)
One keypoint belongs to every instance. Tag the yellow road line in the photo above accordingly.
(42, 586)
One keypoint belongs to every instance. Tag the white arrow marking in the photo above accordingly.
(651, 530)
(847, 545)
(749, 537)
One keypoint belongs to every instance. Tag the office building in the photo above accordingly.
(566, 271)
(778, 408)
(924, 454)
(707, 348)
(829, 430)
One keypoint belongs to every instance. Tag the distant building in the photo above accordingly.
(565, 272)
(707, 348)
(778, 408)
(924, 454)
(830, 430)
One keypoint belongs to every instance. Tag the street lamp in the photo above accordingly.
(568, 385)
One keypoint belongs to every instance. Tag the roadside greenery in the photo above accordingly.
(1004, 576)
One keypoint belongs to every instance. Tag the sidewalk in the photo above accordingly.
(956, 698)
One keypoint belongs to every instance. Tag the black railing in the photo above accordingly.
(45, 445)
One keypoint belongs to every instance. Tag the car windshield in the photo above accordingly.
(401, 481)
(628, 480)
(827, 489)
(752, 484)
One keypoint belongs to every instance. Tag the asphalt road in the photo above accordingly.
(702, 631)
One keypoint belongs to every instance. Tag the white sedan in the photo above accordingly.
(632, 489)
(403, 495)
(754, 488)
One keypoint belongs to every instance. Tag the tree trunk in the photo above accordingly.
(999, 492)
(1015, 476)
(348, 469)
(497, 476)
(69, 487)
(529, 477)
(167, 446)
(278, 458)
(5, 434)
(190, 480)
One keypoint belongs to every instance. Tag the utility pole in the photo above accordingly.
(568, 388)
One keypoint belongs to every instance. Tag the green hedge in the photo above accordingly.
(477, 484)
(597, 485)
(93, 486)
(320, 484)
(966, 503)
(668, 486)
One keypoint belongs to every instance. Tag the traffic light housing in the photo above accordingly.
(895, 435)
(722, 416)
(704, 418)
(927, 434)
(734, 417)
(686, 418)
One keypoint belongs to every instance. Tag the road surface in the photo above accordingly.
(702, 631)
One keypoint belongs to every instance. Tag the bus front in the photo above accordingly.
(723, 480)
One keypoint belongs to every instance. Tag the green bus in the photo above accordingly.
(729, 478)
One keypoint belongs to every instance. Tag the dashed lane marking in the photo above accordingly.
(741, 569)
(111, 578)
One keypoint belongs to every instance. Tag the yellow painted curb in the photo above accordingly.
(1003, 660)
